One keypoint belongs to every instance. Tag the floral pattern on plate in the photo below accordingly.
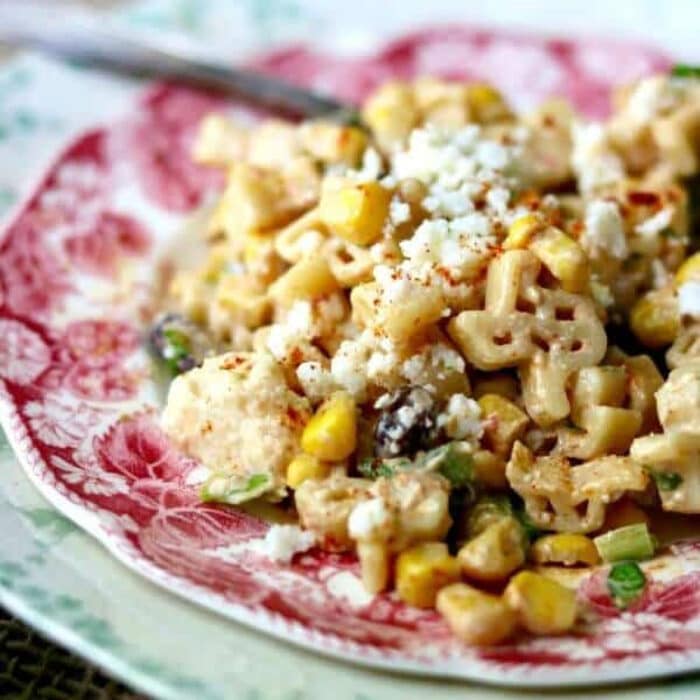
(79, 402)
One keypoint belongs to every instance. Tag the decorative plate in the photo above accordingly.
(78, 263)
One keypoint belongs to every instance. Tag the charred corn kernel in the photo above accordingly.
(331, 434)
(333, 143)
(391, 113)
(623, 512)
(502, 384)
(356, 212)
(490, 469)
(309, 278)
(495, 553)
(504, 422)
(564, 548)
(655, 320)
(521, 231)
(486, 103)
(422, 571)
(374, 565)
(543, 606)
(305, 467)
(689, 270)
(476, 617)
(564, 258)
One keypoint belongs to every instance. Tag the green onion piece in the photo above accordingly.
(532, 532)
(453, 460)
(629, 542)
(684, 70)
(224, 488)
(626, 582)
(666, 481)
(177, 348)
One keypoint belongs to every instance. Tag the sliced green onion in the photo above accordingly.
(629, 542)
(225, 488)
(453, 460)
(685, 70)
(666, 481)
(626, 582)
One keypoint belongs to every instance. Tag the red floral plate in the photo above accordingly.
(77, 265)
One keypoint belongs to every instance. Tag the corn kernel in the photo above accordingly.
(391, 113)
(486, 103)
(502, 384)
(521, 231)
(331, 434)
(655, 320)
(333, 143)
(543, 605)
(507, 422)
(304, 467)
(495, 553)
(564, 548)
(310, 278)
(356, 212)
(422, 571)
(689, 270)
(490, 469)
(564, 258)
(476, 617)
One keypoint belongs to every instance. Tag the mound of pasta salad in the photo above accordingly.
(458, 341)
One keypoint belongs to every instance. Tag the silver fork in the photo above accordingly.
(100, 48)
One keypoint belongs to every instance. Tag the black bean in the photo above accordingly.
(407, 423)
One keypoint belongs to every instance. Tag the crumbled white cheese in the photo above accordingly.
(689, 299)
(656, 223)
(368, 519)
(456, 165)
(316, 381)
(348, 366)
(604, 229)
(371, 167)
(461, 419)
(383, 401)
(498, 198)
(296, 330)
(592, 159)
(399, 212)
(435, 361)
(282, 542)
(394, 285)
(456, 244)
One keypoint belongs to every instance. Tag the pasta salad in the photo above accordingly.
(460, 342)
